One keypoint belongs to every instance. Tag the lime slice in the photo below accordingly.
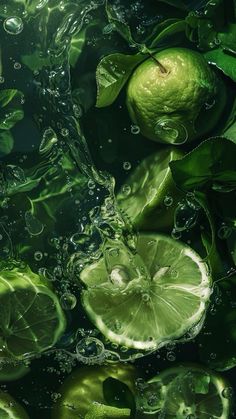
(84, 387)
(10, 409)
(31, 318)
(149, 196)
(147, 312)
(187, 391)
(100, 411)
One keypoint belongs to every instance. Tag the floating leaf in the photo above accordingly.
(6, 143)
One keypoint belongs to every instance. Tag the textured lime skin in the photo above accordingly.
(188, 98)
(85, 386)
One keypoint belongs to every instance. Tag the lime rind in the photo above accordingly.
(187, 390)
(149, 184)
(147, 314)
(31, 318)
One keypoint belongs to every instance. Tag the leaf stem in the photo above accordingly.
(162, 68)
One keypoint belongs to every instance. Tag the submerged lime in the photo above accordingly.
(148, 311)
(175, 96)
(31, 318)
(10, 409)
(153, 196)
(84, 387)
(186, 391)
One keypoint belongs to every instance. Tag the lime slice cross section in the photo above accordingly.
(10, 409)
(31, 318)
(147, 313)
(187, 391)
(149, 196)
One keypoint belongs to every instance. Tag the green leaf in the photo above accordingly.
(118, 394)
(224, 61)
(210, 165)
(11, 118)
(6, 96)
(121, 27)
(112, 73)
(173, 29)
(227, 38)
(6, 143)
(35, 62)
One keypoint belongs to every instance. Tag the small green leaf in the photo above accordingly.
(11, 118)
(6, 143)
(210, 165)
(112, 73)
(227, 38)
(121, 27)
(118, 394)
(222, 60)
(172, 30)
(35, 62)
(77, 44)
(6, 96)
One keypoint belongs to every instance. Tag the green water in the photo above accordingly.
(78, 156)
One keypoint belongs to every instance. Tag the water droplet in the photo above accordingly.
(90, 350)
(210, 105)
(64, 132)
(38, 255)
(13, 25)
(170, 131)
(127, 165)
(185, 217)
(135, 129)
(68, 301)
(168, 201)
(227, 393)
(2, 79)
(108, 29)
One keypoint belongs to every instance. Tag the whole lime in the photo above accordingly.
(175, 96)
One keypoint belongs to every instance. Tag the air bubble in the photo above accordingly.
(13, 25)
(68, 301)
(170, 131)
(224, 232)
(127, 165)
(168, 201)
(135, 129)
(119, 276)
(126, 189)
(90, 351)
(38, 255)
(227, 393)
(170, 356)
(17, 66)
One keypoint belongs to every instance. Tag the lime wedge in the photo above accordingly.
(85, 387)
(188, 391)
(149, 196)
(147, 312)
(10, 409)
(31, 318)
(101, 411)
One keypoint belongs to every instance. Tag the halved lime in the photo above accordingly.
(85, 387)
(10, 409)
(148, 311)
(31, 318)
(149, 196)
(187, 392)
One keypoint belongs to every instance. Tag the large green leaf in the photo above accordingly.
(169, 35)
(6, 96)
(210, 165)
(223, 60)
(112, 73)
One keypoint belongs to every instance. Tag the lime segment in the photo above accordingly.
(31, 319)
(148, 312)
(153, 196)
(186, 392)
(99, 411)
